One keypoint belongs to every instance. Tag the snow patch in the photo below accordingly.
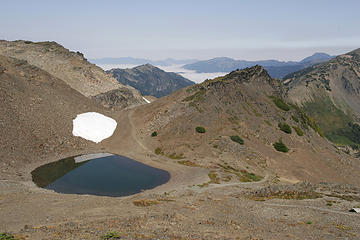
(93, 126)
(357, 210)
(147, 101)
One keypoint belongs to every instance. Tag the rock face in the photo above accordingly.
(71, 67)
(276, 69)
(246, 103)
(36, 114)
(150, 80)
(118, 98)
(330, 92)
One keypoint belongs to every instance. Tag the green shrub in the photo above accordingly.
(176, 156)
(285, 128)
(237, 139)
(111, 235)
(188, 163)
(7, 236)
(268, 123)
(298, 131)
(200, 129)
(159, 151)
(245, 176)
(197, 97)
(154, 134)
(280, 146)
(306, 120)
(213, 178)
(295, 118)
(280, 103)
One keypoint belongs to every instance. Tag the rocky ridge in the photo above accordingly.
(71, 67)
(150, 80)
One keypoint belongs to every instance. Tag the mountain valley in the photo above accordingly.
(249, 156)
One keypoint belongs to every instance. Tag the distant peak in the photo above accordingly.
(317, 54)
(317, 57)
(223, 58)
(145, 66)
(254, 73)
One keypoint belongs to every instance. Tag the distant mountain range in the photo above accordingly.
(141, 61)
(275, 68)
(150, 80)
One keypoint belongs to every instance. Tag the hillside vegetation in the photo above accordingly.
(330, 93)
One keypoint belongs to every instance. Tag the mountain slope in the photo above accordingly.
(150, 80)
(71, 67)
(243, 103)
(36, 115)
(330, 92)
(276, 69)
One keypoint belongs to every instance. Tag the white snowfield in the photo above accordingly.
(93, 126)
(147, 101)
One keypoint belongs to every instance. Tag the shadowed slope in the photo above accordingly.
(36, 114)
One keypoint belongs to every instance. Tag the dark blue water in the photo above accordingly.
(106, 176)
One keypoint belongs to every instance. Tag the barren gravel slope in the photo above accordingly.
(36, 115)
(71, 67)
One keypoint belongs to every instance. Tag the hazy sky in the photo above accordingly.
(156, 29)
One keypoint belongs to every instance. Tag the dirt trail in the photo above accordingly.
(133, 132)
(223, 185)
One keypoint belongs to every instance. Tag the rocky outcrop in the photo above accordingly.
(118, 98)
(257, 76)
